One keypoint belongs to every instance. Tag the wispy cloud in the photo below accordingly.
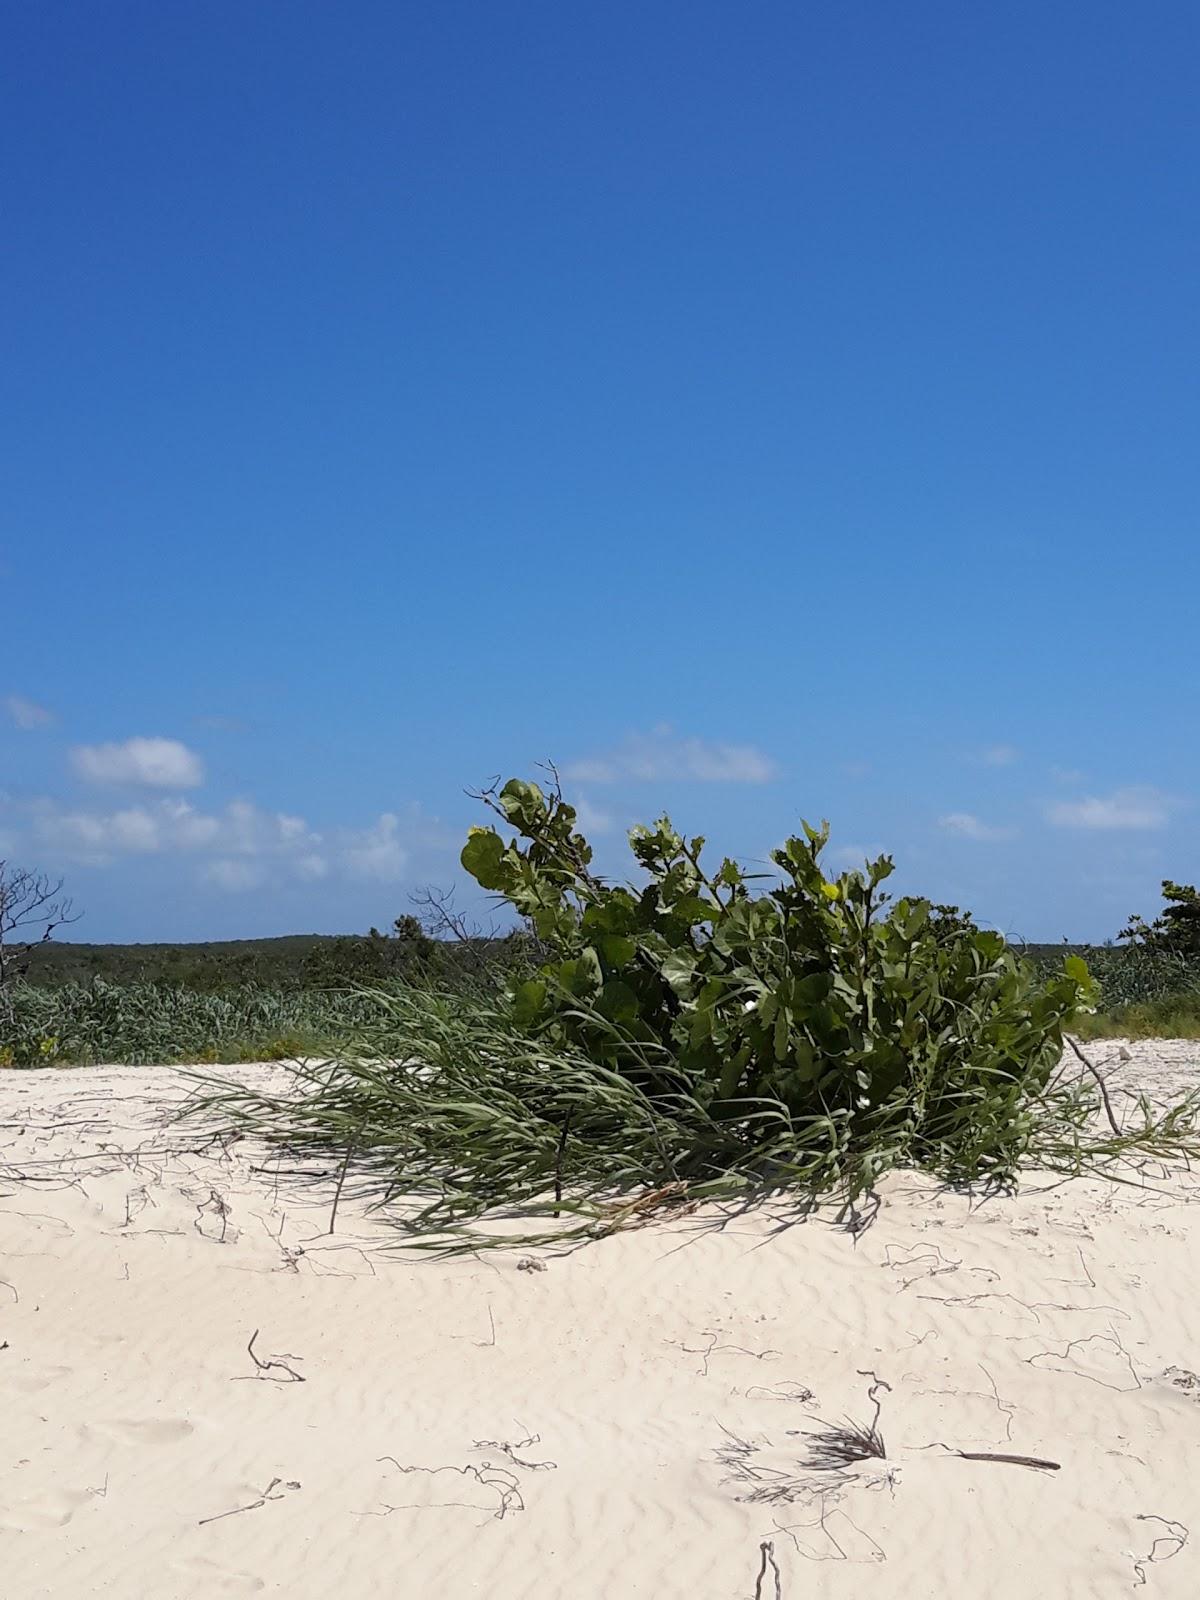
(592, 821)
(665, 757)
(170, 827)
(27, 714)
(999, 755)
(379, 852)
(141, 762)
(228, 842)
(1138, 808)
(396, 845)
(968, 826)
(233, 876)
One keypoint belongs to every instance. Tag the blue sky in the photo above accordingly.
(764, 412)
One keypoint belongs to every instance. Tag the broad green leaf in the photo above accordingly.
(528, 1001)
(523, 803)
(618, 1001)
(694, 908)
(617, 949)
(482, 856)
(679, 969)
(586, 976)
(990, 945)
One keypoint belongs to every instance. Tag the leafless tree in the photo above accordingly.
(32, 906)
(440, 918)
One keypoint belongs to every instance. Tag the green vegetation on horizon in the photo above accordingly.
(146, 1023)
(287, 962)
(275, 998)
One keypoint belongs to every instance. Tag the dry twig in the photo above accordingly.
(510, 1450)
(265, 1367)
(1172, 1542)
(502, 1484)
(1100, 1084)
(254, 1505)
(767, 1552)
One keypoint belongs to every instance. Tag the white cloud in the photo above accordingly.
(244, 829)
(238, 846)
(971, 827)
(592, 821)
(86, 836)
(999, 755)
(27, 714)
(591, 770)
(235, 877)
(661, 757)
(1135, 808)
(377, 852)
(171, 827)
(148, 763)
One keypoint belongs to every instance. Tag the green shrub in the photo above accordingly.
(1176, 930)
(1138, 974)
(690, 1039)
(890, 1027)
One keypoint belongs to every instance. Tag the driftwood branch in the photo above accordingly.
(1100, 1084)
(254, 1505)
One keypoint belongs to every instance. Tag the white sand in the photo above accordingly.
(646, 1386)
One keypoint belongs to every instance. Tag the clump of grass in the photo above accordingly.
(474, 1134)
(1170, 1016)
(473, 1117)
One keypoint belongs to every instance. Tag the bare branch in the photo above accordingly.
(265, 1367)
(1100, 1084)
(32, 907)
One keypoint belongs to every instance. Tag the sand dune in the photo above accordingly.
(636, 1419)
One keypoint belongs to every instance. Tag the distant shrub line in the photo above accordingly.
(138, 1023)
(196, 1008)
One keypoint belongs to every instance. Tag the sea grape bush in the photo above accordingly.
(698, 1034)
(1156, 963)
(1176, 931)
(885, 1024)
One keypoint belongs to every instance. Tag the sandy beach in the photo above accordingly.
(206, 1392)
